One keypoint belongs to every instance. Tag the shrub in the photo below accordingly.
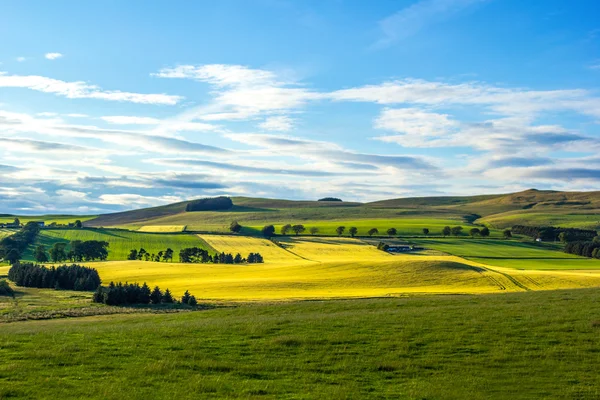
(330, 199)
(5, 289)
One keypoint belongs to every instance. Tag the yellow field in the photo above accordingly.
(162, 228)
(245, 245)
(320, 268)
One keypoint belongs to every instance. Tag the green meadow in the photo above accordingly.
(509, 346)
(121, 241)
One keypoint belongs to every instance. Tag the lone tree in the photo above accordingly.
(314, 230)
(13, 256)
(373, 231)
(40, 254)
(507, 233)
(353, 231)
(485, 232)
(446, 231)
(298, 229)
(78, 224)
(268, 231)
(392, 232)
(235, 227)
(425, 231)
(133, 254)
(340, 230)
(286, 229)
(456, 230)
(474, 232)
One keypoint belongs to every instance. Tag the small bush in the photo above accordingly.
(5, 289)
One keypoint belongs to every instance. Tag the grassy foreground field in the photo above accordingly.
(121, 241)
(514, 346)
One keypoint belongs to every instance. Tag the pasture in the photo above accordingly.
(121, 241)
(511, 346)
(585, 219)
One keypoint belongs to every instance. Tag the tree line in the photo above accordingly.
(198, 255)
(142, 254)
(551, 233)
(12, 247)
(67, 277)
(118, 294)
(584, 249)
(269, 230)
(89, 250)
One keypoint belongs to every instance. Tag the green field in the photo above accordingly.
(511, 346)
(589, 220)
(121, 241)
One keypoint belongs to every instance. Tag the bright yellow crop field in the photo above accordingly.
(162, 228)
(245, 245)
(321, 268)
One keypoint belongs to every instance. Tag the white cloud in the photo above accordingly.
(53, 56)
(415, 122)
(81, 90)
(21, 59)
(172, 125)
(241, 92)
(47, 114)
(279, 123)
(75, 115)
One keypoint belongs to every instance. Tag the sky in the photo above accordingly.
(111, 105)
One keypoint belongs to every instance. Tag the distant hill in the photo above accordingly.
(530, 207)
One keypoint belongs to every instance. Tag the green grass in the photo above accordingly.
(589, 220)
(48, 219)
(513, 346)
(121, 241)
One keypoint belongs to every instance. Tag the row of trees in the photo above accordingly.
(198, 255)
(89, 250)
(68, 277)
(12, 247)
(585, 249)
(142, 254)
(132, 293)
(269, 231)
(551, 233)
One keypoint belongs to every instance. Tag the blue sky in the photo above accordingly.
(112, 105)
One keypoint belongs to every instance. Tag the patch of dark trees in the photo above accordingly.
(210, 204)
(12, 247)
(89, 250)
(142, 254)
(551, 233)
(119, 294)
(329, 199)
(584, 249)
(197, 255)
(66, 277)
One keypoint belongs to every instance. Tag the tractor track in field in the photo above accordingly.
(510, 278)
